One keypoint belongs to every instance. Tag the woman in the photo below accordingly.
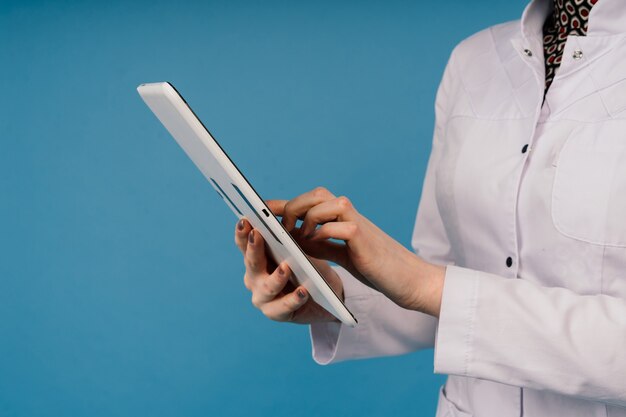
(518, 275)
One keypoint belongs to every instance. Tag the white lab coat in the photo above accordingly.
(545, 336)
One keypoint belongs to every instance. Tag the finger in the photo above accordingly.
(276, 206)
(339, 208)
(255, 260)
(284, 308)
(325, 249)
(242, 228)
(298, 206)
(246, 281)
(267, 288)
(335, 230)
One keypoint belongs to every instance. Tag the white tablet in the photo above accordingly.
(178, 118)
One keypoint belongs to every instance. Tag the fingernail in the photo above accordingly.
(240, 224)
(301, 294)
(251, 237)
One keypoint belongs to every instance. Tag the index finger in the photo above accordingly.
(297, 207)
(276, 206)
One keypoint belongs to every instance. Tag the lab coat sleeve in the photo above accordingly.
(520, 333)
(384, 328)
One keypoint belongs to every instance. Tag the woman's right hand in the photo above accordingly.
(272, 292)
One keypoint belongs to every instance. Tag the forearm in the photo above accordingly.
(429, 279)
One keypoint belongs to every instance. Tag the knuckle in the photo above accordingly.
(253, 264)
(320, 192)
(290, 303)
(288, 209)
(288, 205)
(255, 300)
(286, 304)
(344, 202)
(268, 289)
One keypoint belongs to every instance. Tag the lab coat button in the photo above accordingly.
(528, 52)
(578, 54)
(509, 261)
(524, 148)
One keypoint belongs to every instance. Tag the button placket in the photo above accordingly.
(525, 48)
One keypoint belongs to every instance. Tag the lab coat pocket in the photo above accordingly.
(446, 408)
(589, 189)
(614, 98)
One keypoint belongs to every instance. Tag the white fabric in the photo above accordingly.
(547, 335)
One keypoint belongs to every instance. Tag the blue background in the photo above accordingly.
(121, 290)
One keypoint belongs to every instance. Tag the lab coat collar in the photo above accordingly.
(607, 17)
(606, 29)
(534, 16)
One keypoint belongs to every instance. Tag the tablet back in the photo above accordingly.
(178, 118)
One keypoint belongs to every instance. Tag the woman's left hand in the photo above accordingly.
(369, 254)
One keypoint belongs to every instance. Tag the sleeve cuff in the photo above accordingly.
(334, 342)
(455, 329)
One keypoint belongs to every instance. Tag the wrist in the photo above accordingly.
(428, 280)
